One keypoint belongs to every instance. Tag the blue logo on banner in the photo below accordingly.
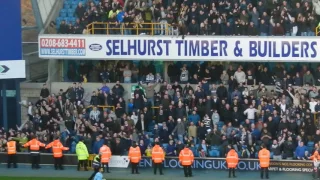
(95, 47)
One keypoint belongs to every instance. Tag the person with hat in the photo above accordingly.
(134, 157)
(34, 146)
(264, 159)
(232, 161)
(186, 159)
(57, 149)
(12, 153)
(157, 155)
(82, 154)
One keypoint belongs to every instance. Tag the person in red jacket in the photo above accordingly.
(34, 147)
(57, 149)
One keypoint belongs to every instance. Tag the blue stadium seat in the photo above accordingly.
(165, 145)
(214, 153)
(73, 7)
(197, 146)
(310, 144)
(239, 154)
(66, 5)
(271, 155)
(63, 14)
(215, 147)
(74, 3)
(256, 155)
(58, 20)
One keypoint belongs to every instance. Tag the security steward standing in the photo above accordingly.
(264, 159)
(134, 157)
(157, 158)
(186, 159)
(82, 154)
(232, 161)
(105, 154)
(57, 149)
(12, 153)
(96, 164)
(34, 146)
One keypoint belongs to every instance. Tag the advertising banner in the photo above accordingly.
(119, 161)
(199, 48)
(12, 69)
(173, 163)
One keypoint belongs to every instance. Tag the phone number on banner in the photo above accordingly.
(62, 43)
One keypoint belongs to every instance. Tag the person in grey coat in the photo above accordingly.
(180, 130)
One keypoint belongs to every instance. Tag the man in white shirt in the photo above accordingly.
(250, 112)
(240, 76)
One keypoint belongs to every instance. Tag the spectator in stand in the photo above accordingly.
(44, 91)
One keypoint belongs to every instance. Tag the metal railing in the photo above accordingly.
(103, 107)
(132, 29)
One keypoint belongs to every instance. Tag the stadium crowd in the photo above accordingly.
(223, 17)
(224, 108)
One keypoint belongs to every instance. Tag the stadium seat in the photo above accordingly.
(239, 154)
(214, 153)
(74, 3)
(74, 6)
(165, 145)
(271, 155)
(310, 144)
(256, 155)
(197, 146)
(66, 5)
(215, 147)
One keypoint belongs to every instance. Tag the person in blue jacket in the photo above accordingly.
(300, 151)
(99, 175)
(97, 145)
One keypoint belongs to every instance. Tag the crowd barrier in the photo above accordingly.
(173, 162)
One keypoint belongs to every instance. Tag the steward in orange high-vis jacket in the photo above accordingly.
(157, 158)
(57, 149)
(264, 159)
(134, 157)
(186, 159)
(105, 155)
(34, 147)
(232, 161)
(12, 153)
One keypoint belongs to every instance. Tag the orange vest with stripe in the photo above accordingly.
(186, 157)
(105, 154)
(57, 148)
(157, 154)
(34, 145)
(134, 154)
(232, 159)
(12, 147)
(264, 158)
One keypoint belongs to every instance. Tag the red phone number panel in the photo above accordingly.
(62, 43)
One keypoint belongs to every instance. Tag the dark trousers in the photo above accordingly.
(82, 163)
(105, 167)
(187, 171)
(264, 170)
(232, 170)
(96, 170)
(35, 160)
(12, 159)
(134, 168)
(156, 166)
(58, 161)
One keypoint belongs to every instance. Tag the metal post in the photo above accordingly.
(37, 14)
(4, 105)
(18, 99)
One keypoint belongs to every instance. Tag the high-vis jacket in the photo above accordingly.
(157, 154)
(232, 159)
(134, 154)
(82, 151)
(34, 145)
(264, 158)
(105, 154)
(96, 162)
(186, 157)
(57, 148)
(12, 147)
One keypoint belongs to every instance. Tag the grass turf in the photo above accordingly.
(42, 178)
